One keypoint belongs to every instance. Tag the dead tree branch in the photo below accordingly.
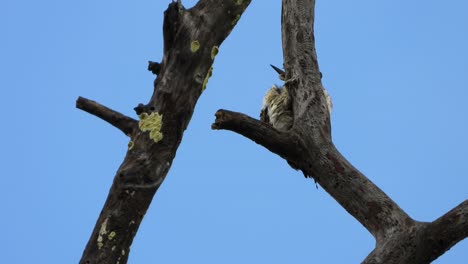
(191, 41)
(261, 133)
(308, 146)
(126, 124)
(448, 230)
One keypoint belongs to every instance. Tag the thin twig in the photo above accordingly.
(124, 123)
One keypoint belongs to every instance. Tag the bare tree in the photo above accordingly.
(191, 41)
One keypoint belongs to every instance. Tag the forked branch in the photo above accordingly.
(308, 146)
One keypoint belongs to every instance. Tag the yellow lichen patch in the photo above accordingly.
(153, 124)
(130, 145)
(208, 75)
(238, 2)
(214, 52)
(150, 122)
(102, 231)
(235, 20)
(156, 135)
(111, 235)
(194, 46)
(143, 115)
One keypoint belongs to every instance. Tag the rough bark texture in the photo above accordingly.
(191, 41)
(308, 146)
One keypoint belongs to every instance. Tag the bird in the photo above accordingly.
(277, 105)
(277, 109)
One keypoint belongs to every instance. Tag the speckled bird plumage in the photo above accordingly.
(277, 108)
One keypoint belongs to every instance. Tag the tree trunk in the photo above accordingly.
(308, 146)
(191, 41)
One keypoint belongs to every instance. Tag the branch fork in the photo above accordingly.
(308, 147)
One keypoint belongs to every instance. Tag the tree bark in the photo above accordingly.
(191, 41)
(308, 146)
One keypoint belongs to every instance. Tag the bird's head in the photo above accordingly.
(281, 73)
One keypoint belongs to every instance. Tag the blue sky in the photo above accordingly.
(397, 72)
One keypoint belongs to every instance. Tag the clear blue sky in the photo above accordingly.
(397, 72)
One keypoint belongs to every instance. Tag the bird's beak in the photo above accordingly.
(278, 70)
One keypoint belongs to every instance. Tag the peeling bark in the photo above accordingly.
(191, 41)
(308, 146)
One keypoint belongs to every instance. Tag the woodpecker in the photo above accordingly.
(276, 109)
(277, 106)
